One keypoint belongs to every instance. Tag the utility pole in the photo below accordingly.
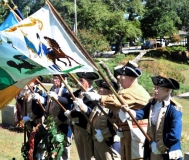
(75, 23)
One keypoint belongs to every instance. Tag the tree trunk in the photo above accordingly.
(188, 42)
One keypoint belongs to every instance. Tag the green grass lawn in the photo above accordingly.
(11, 143)
(186, 73)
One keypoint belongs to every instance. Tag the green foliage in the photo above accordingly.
(119, 5)
(53, 140)
(146, 81)
(93, 41)
(135, 9)
(3, 13)
(114, 61)
(175, 48)
(173, 53)
(160, 18)
(182, 11)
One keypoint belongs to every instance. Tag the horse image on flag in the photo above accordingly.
(58, 53)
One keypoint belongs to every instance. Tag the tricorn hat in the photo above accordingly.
(102, 84)
(130, 69)
(88, 75)
(165, 82)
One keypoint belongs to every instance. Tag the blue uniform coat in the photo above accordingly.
(171, 131)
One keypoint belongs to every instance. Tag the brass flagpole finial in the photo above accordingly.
(15, 6)
(4, 2)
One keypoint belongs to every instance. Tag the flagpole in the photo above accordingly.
(7, 5)
(53, 97)
(101, 74)
(37, 99)
(74, 98)
(75, 11)
(96, 103)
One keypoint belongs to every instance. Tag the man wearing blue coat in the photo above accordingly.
(165, 121)
(82, 138)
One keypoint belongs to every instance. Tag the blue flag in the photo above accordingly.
(9, 21)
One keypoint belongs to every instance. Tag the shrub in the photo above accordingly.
(173, 53)
(175, 38)
(175, 48)
(93, 41)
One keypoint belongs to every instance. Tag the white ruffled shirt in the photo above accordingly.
(155, 112)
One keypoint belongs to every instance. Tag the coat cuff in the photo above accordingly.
(161, 146)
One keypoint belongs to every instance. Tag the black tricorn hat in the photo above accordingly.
(116, 69)
(165, 82)
(102, 84)
(130, 69)
(88, 75)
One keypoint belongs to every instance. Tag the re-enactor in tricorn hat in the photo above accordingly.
(165, 82)
(102, 84)
(58, 91)
(83, 142)
(88, 75)
(165, 121)
(130, 69)
(136, 97)
(106, 143)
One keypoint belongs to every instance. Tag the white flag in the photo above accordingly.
(41, 38)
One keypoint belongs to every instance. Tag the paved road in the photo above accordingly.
(184, 95)
(129, 49)
(124, 50)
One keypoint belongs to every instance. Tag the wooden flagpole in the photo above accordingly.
(74, 98)
(7, 5)
(19, 19)
(96, 103)
(37, 99)
(93, 63)
(53, 98)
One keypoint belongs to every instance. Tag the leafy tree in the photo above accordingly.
(135, 9)
(66, 9)
(92, 15)
(93, 41)
(120, 5)
(24, 6)
(108, 23)
(160, 19)
(182, 10)
(102, 18)
(3, 13)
